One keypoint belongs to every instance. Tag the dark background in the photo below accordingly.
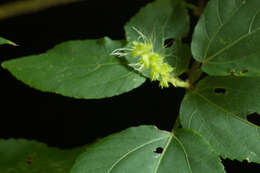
(65, 122)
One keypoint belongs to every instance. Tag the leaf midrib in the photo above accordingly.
(224, 110)
(133, 150)
(186, 155)
(161, 156)
(230, 45)
(218, 30)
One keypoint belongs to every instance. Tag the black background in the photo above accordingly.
(65, 122)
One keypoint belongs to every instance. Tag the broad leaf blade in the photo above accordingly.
(160, 21)
(218, 108)
(138, 150)
(80, 69)
(227, 37)
(22, 156)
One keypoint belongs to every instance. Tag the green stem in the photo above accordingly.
(195, 72)
(193, 75)
(177, 82)
(176, 124)
(189, 5)
(28, 6)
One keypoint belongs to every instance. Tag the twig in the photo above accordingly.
(199, 10)
(28, 6)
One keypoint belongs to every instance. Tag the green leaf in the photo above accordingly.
(80, 69)
(159, 21)
(179, 57)
(22, 156)
(217, 109)
(146, 149)
(4, 41)
(227, 37)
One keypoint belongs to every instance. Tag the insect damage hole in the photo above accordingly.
(158, 150)
(254, 118)
(244, 71)
(220, 91)
(168, 42)
(29, 161)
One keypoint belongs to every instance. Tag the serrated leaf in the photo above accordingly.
(159, 21)
(22, 156)
(227, 37)
(217, 109)
(146, 149)
(4, 41)
(80, 69)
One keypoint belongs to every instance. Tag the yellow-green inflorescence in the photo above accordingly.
(148, 59)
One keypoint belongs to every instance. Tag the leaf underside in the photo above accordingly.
(79, 69)
(146, 149)
(227, 37)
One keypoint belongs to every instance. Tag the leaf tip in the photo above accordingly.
(3, 65)
(12, 43)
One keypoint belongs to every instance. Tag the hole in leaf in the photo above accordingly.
(244, 71)
(184, 76)
(254, 118)
(220, 90)
(158, 150)
(29, 161)
(232, 72)
(168, 42)
(234, 166)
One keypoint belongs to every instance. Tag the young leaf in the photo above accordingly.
(217, 109)
(146, 149)
(227, 37)
(22, 156)
(80, 69)
(160, 22)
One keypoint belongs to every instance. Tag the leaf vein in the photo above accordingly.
(252, 22)
(218, 30)
(218, 14)
(191, 117)
(161, 156)
(225, 111)
(185, 153)
(133, 150)
(231, 44)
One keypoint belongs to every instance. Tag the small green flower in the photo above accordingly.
(139, 49)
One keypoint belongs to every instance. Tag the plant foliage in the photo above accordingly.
(22, 156)
(213, 115)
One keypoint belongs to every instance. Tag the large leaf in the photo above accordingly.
(218, 109)
(227, 37)
(146, 149)
(160, 21)
(80, 69)
(22, 156)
